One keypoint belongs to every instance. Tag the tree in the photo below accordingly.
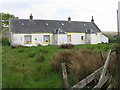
(6, 17)
(4, 23)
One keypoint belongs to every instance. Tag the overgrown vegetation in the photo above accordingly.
(80, 62)
(30, 67)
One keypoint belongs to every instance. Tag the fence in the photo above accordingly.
(102, 71)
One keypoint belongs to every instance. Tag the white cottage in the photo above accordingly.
(30, 32)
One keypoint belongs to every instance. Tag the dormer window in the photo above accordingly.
(90, 31)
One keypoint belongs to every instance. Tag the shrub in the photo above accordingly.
(31, 54)
(40, 58)
(5, 42)
(38, 44)
(15, 45)
(67, 46)
(60, 57)
(80, 62)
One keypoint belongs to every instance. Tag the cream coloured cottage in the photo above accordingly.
(30, 32)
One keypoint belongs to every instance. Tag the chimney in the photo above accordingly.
(69, 19)
(92, 20)
(31, 17)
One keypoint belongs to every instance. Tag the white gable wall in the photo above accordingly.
(96, 38)
(104, 39)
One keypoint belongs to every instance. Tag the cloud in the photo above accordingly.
(15, 5)
(104, 11)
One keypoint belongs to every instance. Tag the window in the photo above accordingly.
(82, 37)
(27, 39)
(46, 38)
(68, 38)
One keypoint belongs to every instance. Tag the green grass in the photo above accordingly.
(112, 37)
(20, 69)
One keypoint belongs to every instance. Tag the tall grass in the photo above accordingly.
(21, 67)
(80, 62)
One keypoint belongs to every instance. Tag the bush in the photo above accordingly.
(67, 46)
(40, 58)
(60, 57)
(5, 42)
(15, 45)
(39, 45)
(31, 54)
(80, 62)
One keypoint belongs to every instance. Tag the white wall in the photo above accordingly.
(58, 39)
(76, 38)
(96, 38)
(88, 39)
(55, 39)
(104, 39)
(62, 39)
(19, 39)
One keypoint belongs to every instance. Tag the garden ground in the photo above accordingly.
(30, 67)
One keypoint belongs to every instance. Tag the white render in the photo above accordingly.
(58, 39)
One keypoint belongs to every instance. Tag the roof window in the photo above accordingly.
(22, 24)
(84, 24)
(62, 24)
(46, 24)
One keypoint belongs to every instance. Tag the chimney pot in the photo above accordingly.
(92, 20)
(69, 18)
(31, 17)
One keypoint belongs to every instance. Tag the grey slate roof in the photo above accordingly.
(31, 26)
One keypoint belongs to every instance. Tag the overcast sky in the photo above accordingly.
(103, 11)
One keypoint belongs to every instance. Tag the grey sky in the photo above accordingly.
(104, 11)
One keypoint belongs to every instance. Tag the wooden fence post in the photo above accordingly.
(102, 57)
(64, 76)
(118, 66)
(104, 78)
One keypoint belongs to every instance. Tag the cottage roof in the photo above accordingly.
(31, 26)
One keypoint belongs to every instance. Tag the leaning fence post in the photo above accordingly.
(102, 57)
(64, 76)
(102, 76)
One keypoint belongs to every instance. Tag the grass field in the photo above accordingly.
(23, 68)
